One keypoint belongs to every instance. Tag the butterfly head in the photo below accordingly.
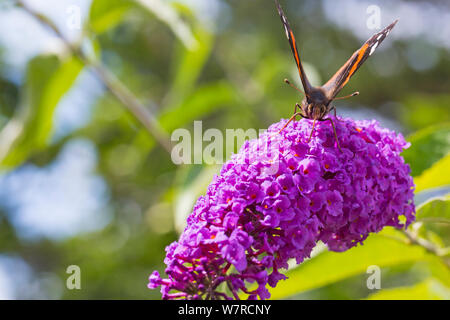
(316, 104)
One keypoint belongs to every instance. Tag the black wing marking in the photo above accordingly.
(291, 38)
(343, 75)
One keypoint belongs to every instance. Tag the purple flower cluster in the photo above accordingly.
(280, 195)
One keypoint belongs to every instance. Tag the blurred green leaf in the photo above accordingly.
(438, 207)
(427, 146)
(167, 14)
(330, 267)
(47, 81)
(188, 66)
(439, 269)
(9, 96)
(435, 215)
(106, 14)
(422, 110)
(430, 289)
(436, 176)
(191, 184)
(203, 101)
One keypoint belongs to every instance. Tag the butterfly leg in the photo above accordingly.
(334, 130)
(335, 115)
(312, 130)
(299, 113)
(334, 109)
(290, 120)
(295, 107)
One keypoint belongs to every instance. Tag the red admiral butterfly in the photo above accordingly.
(317, 102)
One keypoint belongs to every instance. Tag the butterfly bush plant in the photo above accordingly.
(279, 196)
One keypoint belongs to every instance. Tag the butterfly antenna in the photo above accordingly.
(289, 83)
(349, 96)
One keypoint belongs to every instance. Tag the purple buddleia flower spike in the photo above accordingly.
(280, 195)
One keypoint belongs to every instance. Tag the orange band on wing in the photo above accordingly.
(295, 48)
(361, 53)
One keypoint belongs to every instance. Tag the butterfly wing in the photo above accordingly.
(295, 51)
(343, 75)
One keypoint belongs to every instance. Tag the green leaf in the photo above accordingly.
(167, 14)
(427, 147)
(435, 216)
(436, 176)
(439, 270)
(438, 207)
(422, 110)
(106, 14)
(188, 66)
(430, 289)
(47, 80)
(329, 267)
(192, 181)
(203, 101)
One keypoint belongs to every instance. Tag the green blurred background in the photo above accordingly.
(83, 182)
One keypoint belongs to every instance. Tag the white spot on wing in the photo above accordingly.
(373, 48)
(287, 31)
